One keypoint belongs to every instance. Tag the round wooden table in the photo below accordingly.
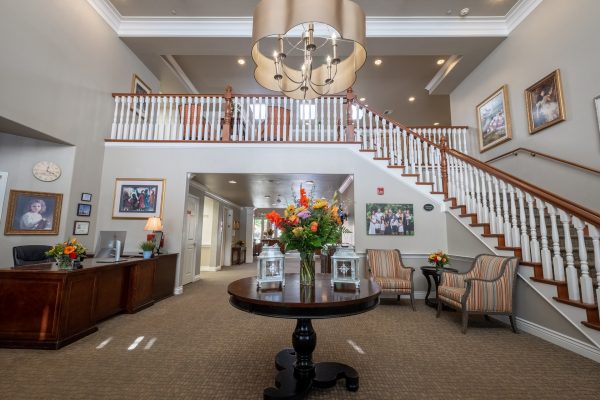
(297, 372)
(431, 272)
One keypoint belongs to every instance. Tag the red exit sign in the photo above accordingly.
(380, 190)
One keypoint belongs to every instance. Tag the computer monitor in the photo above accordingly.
(105, 247)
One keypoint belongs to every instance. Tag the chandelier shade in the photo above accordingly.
(324, 40)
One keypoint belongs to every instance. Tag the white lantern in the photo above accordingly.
(270, 266)
(344, 266)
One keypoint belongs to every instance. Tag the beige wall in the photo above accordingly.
(557, 34)
(60, 63)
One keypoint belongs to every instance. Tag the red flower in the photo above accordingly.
(303, 197)
(275, 218)
(73, 256)
(314, 226)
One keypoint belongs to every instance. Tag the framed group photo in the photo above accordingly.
(33, 213)
(544, 102)
(493, 120)
(390, 219)
(138, 198)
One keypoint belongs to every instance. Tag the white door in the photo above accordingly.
(191, 223)
(228, 235)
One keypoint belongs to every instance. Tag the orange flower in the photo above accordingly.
(314, 226)
(69, 249)
(275, 218)
(303, 198)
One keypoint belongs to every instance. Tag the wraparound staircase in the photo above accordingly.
(557, 240)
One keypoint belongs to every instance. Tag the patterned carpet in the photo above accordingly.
(197, 346)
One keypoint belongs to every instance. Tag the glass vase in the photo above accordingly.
(307, 268)
(64, 262)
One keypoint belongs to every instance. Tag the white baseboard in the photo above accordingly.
(178, 290)
(559, 339)
(210, 268)
(196, 278)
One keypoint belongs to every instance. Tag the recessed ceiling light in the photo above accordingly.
(465, 11)
(241, 61)
(440, 61)
(387, 112)
(366, 105)
(310, 182)
(377, 62)
(267, 196)
(436, 123)
(411, 98)
(362, 99)
(232, 181)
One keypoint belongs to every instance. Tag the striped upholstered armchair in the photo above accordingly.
(487, 288)
(386, 269)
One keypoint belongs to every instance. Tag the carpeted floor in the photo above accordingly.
(197, 346)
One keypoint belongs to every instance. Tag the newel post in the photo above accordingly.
(444, 165)
(228, 114)
(349, 121)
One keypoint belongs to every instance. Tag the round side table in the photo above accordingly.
(431, 273)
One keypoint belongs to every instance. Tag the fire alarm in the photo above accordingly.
(380, 190)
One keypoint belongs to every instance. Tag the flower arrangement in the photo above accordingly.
(67, 253)
(439, 259)
(307, 225)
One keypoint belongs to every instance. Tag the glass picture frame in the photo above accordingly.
(86, 197)
(544, 101)
(138, 198)
(390, 219)
(493, 120)
(33, 213)
(81, 227)
(84, 210)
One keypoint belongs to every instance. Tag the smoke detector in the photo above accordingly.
(465, 11)
(388, 112)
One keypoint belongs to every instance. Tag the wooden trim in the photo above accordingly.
(534, 153)
(580, 211)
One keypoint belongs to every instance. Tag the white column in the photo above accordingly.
(546, 257)
(557, 261)
(526, 255)
(570, 271)
(587, 289)
(535, 245)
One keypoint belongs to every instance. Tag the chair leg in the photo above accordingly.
(398, 298)
(465, 320)
(487, 317)
(412, 300)
(439, 308)
(513, 323)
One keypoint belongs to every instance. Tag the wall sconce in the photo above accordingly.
(236, 225)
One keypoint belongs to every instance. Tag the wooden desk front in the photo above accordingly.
(49, 308)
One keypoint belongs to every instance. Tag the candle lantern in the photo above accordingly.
(344, 266)
(270, 266)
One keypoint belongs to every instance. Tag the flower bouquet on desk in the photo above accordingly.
(308, 225)
(68, 254)
(439, 259)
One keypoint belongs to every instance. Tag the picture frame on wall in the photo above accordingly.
(86, 197)
(84, 210)
(544, 102)
(81, 228)
(138, 198)
(139, 87)
(3, 183)
(493, 120)
(33, 213)
(390, 219)
(597, 106)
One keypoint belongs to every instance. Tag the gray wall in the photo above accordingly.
(60, 63)
(557, 34)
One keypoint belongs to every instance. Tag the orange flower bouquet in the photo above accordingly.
(308, 225)
(67, 253)
(439, 259)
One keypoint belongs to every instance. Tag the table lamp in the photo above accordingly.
(155, 225)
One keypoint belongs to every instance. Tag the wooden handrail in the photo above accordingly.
(548, 156)
(170, 94)
(576, 209)
(438, 127)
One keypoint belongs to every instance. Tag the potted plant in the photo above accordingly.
(147, 248)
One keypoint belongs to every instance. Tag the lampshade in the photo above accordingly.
(153, 224)
(325, 26)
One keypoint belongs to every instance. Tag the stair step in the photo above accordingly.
(381, 158)
(592, 325)
(368, 151)
(531, 264)
(468, 215)
(496, 235)
(396, 166)
(438, 193)
(416, 175)
(425, 183)
(578, 304)
(561, 286)
(481, 224)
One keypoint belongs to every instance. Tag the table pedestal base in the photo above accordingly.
(298, 374)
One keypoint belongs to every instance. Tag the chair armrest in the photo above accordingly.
(482, 280)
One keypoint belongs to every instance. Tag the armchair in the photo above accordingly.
(30, 254)
(487, 288)
(386, 269)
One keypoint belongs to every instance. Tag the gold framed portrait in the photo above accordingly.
(493, 120)
(33, 213)
(544, 102)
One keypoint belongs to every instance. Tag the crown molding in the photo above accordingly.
(174, 26)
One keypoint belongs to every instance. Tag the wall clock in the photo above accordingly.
(46, 171)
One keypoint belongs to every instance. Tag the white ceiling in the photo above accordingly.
(203, 40)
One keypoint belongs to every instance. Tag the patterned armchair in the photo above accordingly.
(487, 288)
(386, 269)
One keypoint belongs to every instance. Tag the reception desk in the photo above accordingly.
(46, 308)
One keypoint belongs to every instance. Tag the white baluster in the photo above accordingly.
(557, 260)
(179, 111)
(322, 119)
(279, 112)
(505, 207)
(469, 189)
(285, 123)
(151, 123)
(535, 245)
(463, 131)
(479, 209)
(384, 149)
(126, 123)
(570, 270)
(595, 235)
(419, 159)
(526, 255)
(515, 232)
(499, 219)
(144, 118)
(342, 123)
(113, 130)
(493, 222)
(545, 255)
(485, 218)
(587, 288)
(428, 178)
(160, 118)
(218, 117)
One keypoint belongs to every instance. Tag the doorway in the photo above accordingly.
(192, 216)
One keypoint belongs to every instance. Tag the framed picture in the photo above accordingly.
(390, 219)
(86, 197)
(81, 228)
(3, 180)
(138, 198)
(33, 213)
(84, 210)
(596, 104)
(139, 87)
(493, 120)
(544, 101)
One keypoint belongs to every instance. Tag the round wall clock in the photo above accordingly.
(46, 171)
